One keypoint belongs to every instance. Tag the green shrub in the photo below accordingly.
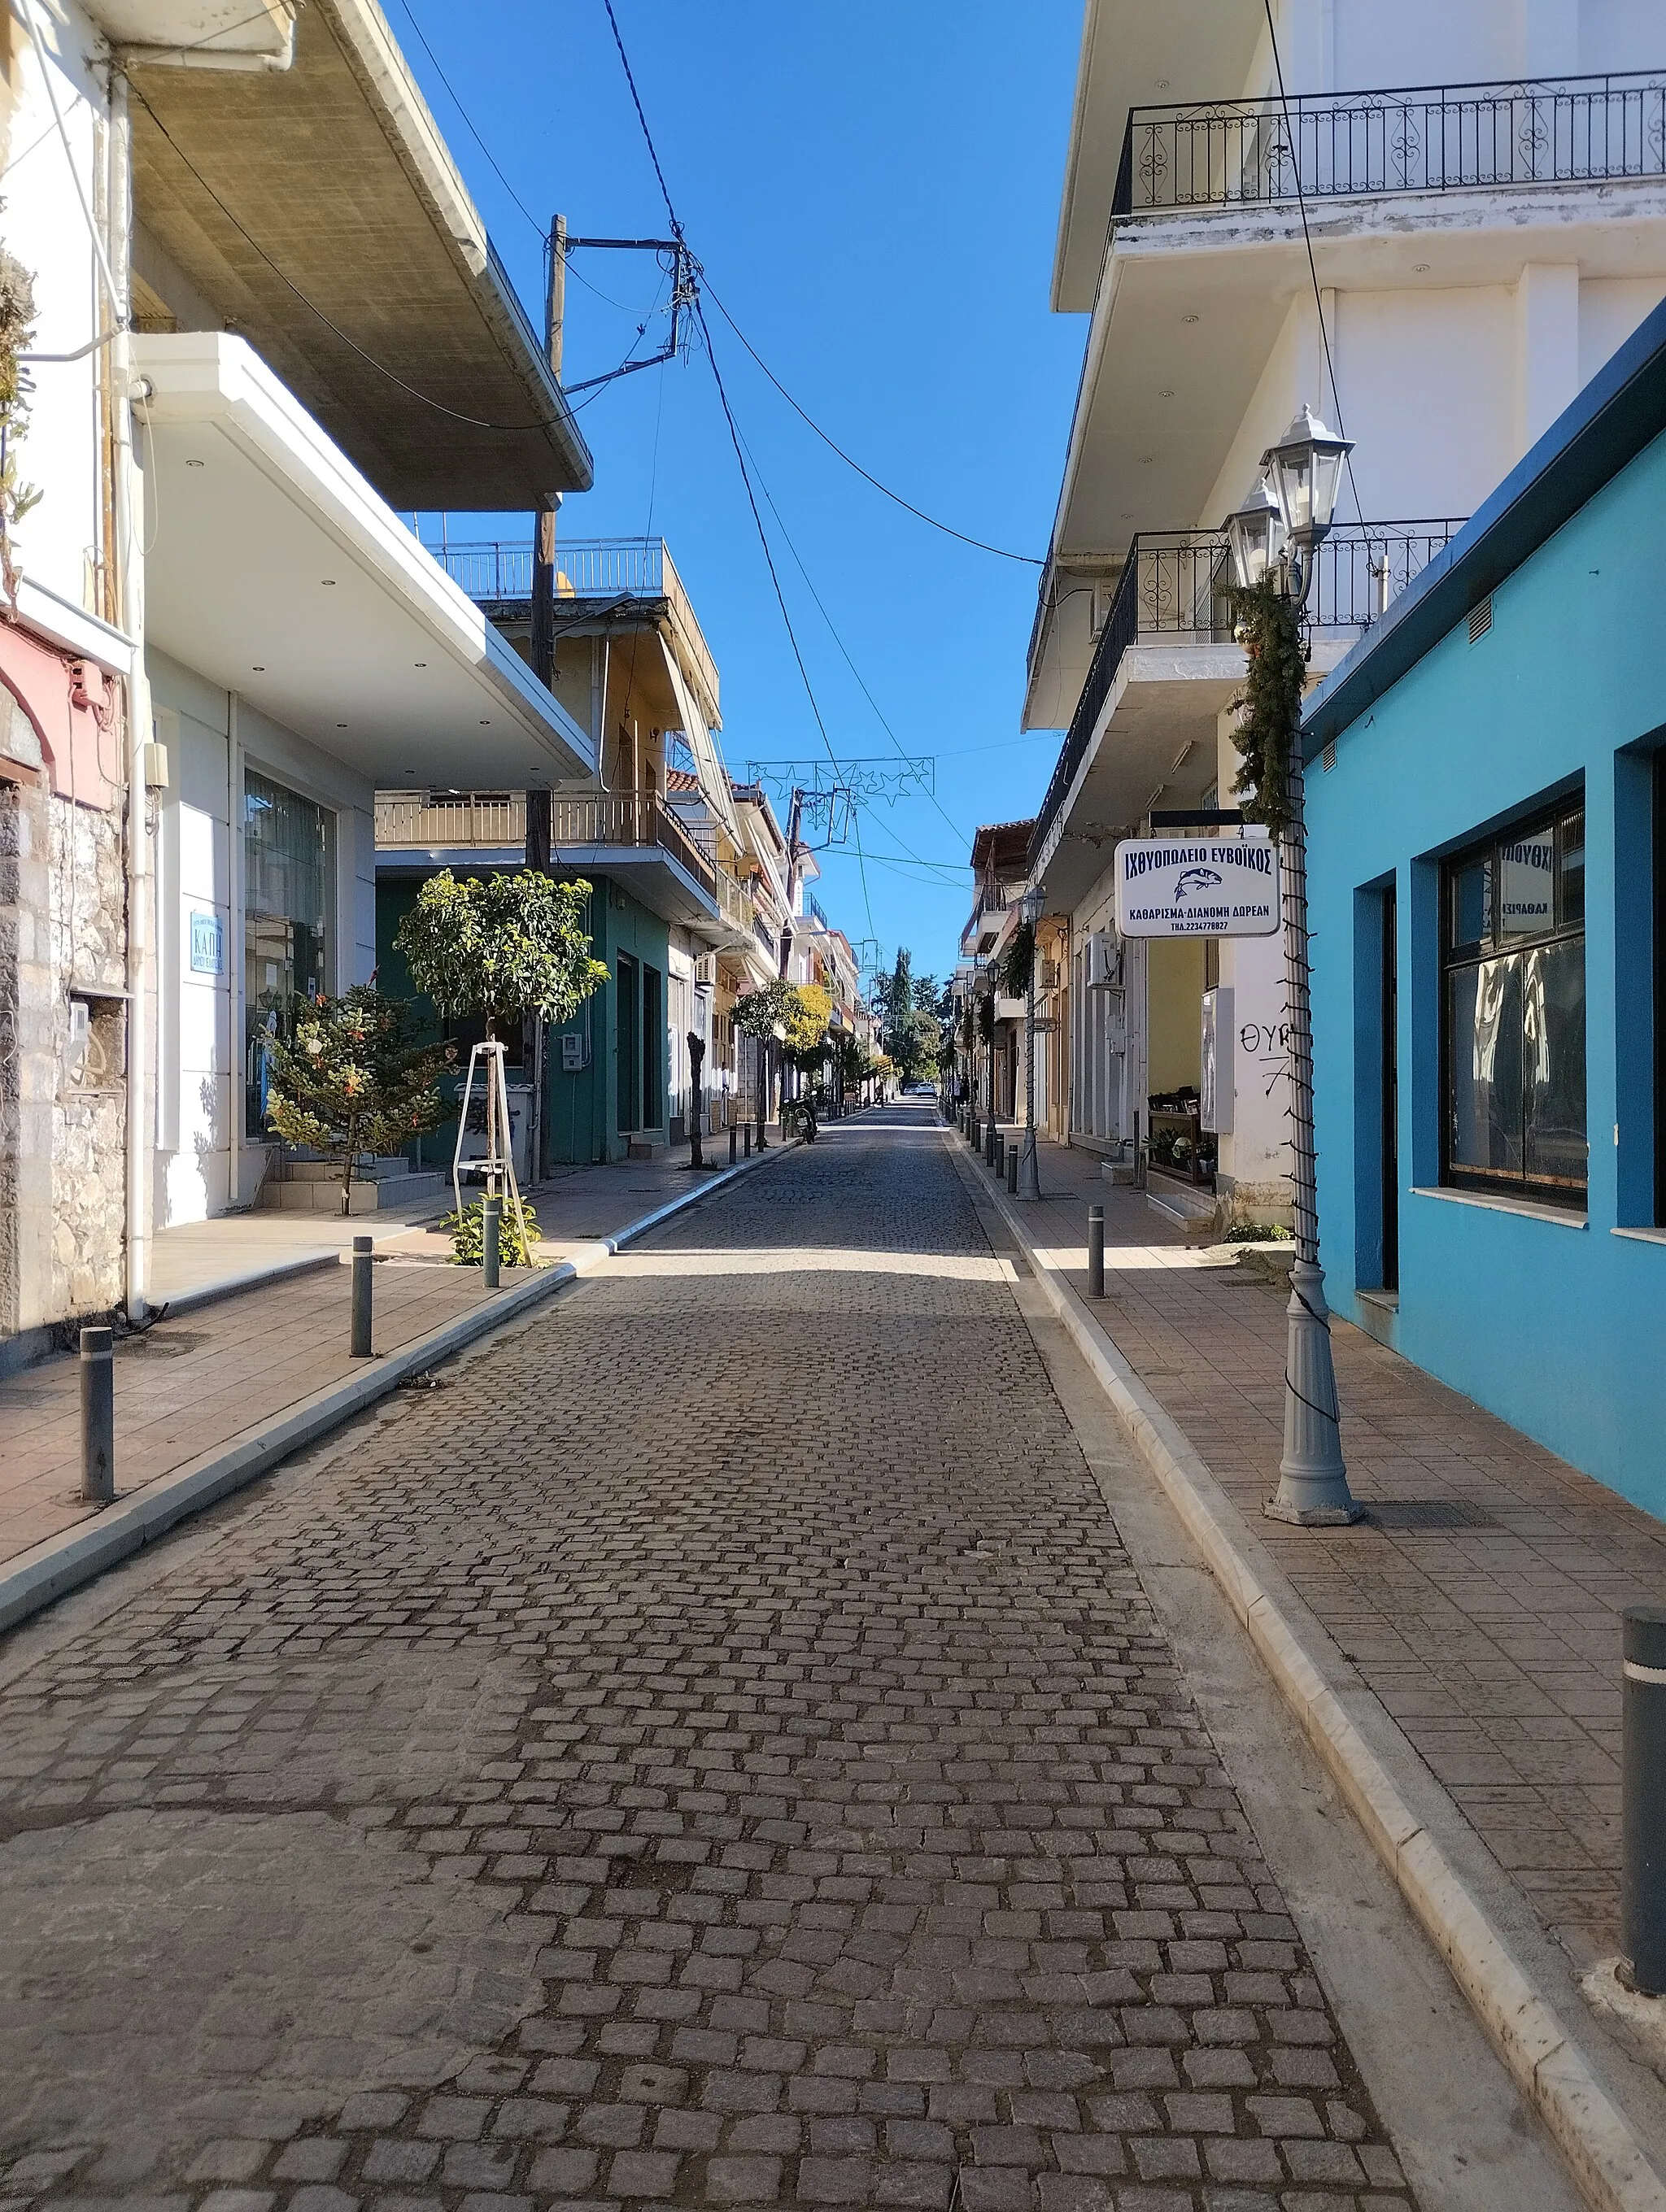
(1258, 1232)
(467, 1232)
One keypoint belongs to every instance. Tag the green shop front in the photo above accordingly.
(605, 1091)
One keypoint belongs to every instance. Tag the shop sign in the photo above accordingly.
(207, 945)
(1202, 887)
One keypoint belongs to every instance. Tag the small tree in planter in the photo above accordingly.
(500, 947)
(352, 1080)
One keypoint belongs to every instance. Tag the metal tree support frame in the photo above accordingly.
(499, 1163)
(1420, 138)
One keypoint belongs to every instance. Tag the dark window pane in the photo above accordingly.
(1570, 839)
(1554, 1053)
(1527, 886)
(1471, 917)
(1484, 1060)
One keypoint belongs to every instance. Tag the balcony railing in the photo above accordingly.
(450, 819)
(498, 572)
(734, 902)
(585, 568)
(1175, 584)
(446, 822)
(1428, 138)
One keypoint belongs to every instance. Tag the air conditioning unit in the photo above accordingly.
(1047, 975)
(705, 969)
(1104, 961)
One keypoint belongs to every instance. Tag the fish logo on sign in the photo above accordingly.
(1196, 879)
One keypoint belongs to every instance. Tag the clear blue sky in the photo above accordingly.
(873, 187)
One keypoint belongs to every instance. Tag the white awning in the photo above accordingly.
(276, 570)
(714, 786)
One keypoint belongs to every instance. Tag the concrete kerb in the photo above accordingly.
(64, 1563)
(1608, 2164)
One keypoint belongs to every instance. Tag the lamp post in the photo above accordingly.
(1029, 1169)
(1278, 532)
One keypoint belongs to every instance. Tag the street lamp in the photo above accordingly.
(1303, 470)
(1030, 913)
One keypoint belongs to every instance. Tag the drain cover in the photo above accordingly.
(1408, 1515)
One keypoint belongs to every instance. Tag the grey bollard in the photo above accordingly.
(491, 1229)
(1643, 1798)
(1001, 1158)
(98, 1416)
(1095, 1251)
(734, 1139)
(991, 1136)
(362, 1264)
(748, 1127)
(1012, 1165)
(763, 1141)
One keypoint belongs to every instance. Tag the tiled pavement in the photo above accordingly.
(193, 1385)
(717, 1753)
(1495, 1647)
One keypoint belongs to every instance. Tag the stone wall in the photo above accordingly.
(63, 926)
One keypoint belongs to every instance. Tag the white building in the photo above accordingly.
(1479, 250)
(226, 636)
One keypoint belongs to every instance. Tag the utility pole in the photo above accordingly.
(543, 545)
(543, 645)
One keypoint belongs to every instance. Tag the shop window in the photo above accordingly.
(289, 922)
(1513, 1016)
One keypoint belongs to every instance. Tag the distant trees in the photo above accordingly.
(910, 1029)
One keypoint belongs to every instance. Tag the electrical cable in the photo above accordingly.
(1312, 266)
(982, 546)
(474, 422)
(118, 307)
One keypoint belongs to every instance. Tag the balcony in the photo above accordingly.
(630, 835)
(1428, 139)
(1174, 590)
(610, 575)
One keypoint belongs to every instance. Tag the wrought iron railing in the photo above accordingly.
(463, 820)
(1426, 138)
(1176, 584)
(498, 572)
(586, 567)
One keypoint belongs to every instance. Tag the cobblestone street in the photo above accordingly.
(714, 1752)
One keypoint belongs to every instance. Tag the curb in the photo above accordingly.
(51, 1570)
(1609, 2165)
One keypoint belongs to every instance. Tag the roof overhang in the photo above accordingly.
(318, 211)
(200, 33)
(275, 571)
(654, 878)
(1132, 54)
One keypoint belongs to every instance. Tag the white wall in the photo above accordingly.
(203, 1163)
(1610, 309)
(42, 224)
(1428, 385)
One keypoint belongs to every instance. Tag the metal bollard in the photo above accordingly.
(735, 1139)
(1643, 1798)
(1095, 1251)
(1000, 1158)
(98, 1416)
(362, 1264)
(1012, 1165)
(747, 1128)
(990, 1136)
(763, 1141)
(491, 1229)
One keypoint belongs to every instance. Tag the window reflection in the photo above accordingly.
(1515, 1019)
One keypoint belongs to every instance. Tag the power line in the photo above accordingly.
(1312, 267)
(1000, 552)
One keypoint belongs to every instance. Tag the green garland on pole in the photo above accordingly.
(1269, 625)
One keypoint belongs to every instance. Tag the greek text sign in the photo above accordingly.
(208, 945)
(1203, 887)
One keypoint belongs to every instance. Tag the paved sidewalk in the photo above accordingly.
(188, 1386)
(1494, 1646)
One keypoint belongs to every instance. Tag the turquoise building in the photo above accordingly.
(1487, 815)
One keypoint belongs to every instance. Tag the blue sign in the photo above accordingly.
(207, 945)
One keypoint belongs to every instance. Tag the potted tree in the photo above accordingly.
(498, 948)
(354, 1080)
